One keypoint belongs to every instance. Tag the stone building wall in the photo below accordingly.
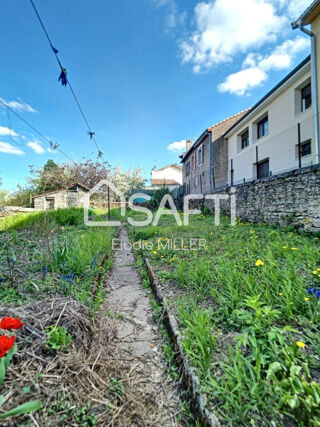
(291, 198)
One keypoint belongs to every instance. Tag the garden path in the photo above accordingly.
(138, 339)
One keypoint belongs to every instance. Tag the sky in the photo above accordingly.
(149, 74)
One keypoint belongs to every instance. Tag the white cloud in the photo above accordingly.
(7, 148)
(297, 7)
(241, 82)
(226, 28)
(4, 131)
(178, 146)
(256, 66)
(173, 19)
(19, 105)
(36, 147)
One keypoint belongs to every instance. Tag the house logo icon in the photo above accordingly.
(86, 204)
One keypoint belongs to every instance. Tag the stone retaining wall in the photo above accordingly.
(291, 198)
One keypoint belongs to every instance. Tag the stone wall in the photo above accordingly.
(291, 198)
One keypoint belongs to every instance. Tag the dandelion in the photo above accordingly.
(315, 272)
(293, 249)
(259, 263)
(300, 344)
(307, 299)
(284, 247)
(154, 252)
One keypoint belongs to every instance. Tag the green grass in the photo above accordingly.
(243, 305)
(53, 253)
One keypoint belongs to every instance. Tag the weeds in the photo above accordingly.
(249, 308)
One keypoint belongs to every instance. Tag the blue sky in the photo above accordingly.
(149, 74)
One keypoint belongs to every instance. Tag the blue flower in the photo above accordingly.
(317, 294)
(309, 291)
(1, 279)
(314, 290)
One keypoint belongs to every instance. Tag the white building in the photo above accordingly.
(276, 135)
(169, 176)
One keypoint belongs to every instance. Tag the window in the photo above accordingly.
(306, 148)
(245, 139)
(188, 168)
(263, 127)
(306, 97)
(263, 169)
(200, 154)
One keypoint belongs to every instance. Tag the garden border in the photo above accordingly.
(189, 375)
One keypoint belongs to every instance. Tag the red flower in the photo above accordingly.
(11, 323)
(6, 344)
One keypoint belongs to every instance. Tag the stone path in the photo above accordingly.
(138, 339)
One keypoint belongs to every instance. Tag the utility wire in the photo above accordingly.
(53, 145)
(65, 81)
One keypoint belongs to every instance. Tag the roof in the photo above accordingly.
(62, 189)
(273, 90)
(164, 182)
(173, 165)
(217, 131)
(308, 15)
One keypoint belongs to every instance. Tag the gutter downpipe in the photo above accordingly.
(210, 159)
(315, 90)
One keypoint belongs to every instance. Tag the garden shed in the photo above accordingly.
(68, 197)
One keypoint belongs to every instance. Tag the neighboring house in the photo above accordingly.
(169, 176)
(64, 198)
(311, 16)
(276, 134)
(205, 164)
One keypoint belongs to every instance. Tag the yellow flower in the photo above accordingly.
(259, 262)
(154, 252)
(251, 231)
(246, 259)
(315, 272)
(307, 299)
(300, 344)
(318, 269)
(211, 232)
(284, 247)
(281, 294)
(293, 249)
(100, 267)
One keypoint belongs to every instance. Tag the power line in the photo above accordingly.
(53, 145)
(65, 81)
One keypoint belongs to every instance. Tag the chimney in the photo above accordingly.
(188, 144)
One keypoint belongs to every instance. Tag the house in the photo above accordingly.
(311, 16)
(68, 197)
(276, 134)
(205, 164)
(169, 176)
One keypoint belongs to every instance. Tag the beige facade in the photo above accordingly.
(266, 141)
(65, 198)
(169, 176)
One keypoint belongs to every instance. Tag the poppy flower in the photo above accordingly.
(11, 323)
(6, 344)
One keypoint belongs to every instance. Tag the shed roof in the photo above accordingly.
(61, 189)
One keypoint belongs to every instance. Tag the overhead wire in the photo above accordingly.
(53, 145)
(65, 81)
